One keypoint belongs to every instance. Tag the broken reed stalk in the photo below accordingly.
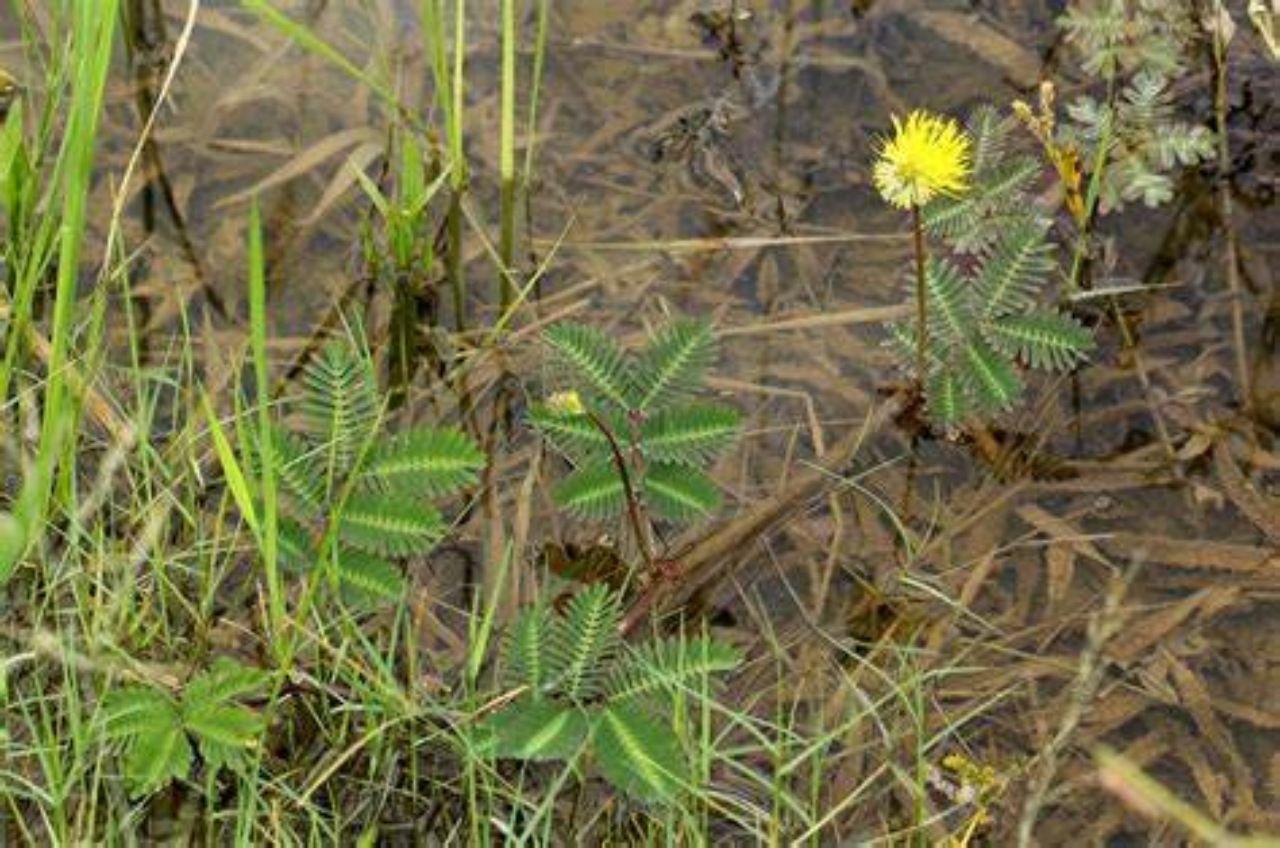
(1081, 695)
(1226, 211)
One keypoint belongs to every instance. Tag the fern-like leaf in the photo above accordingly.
(573, 434)
(1042, 339)
(224, 733)
(673, 365)
(389, 526)
(424, 462)
(592, 358)
(340, 402)
(366, 578)
(669, 666)
(296, 550)
(595, 491)
(526, 649)
(689, 435)
(948, 403)
(134, 709)
(223, 681)
(949, 313)
(297, 469)
(156, 757)
(536, 730)
(990, 378)
(638, 754)
(678, 492)
(583, 642)
(1013, 272)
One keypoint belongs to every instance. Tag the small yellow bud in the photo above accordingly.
(566, 403)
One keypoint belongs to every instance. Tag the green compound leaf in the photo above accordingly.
(668, 666)
(156, 757)
(949, 316)
(224, 680)
(583, 642)
(1042, 339)
(298, 469)
(690, 435)
(136, 709)
(537, 730)
(1014, 270)
(573, 434)
(389, 526)
(424, 462)
(526, 649)
(948, 403)
(341, 404)
(365, 577)
(592, 359)
(224, 733)
(639, 755)
(673, 365)
(297, 552)
(679, 492)
(594, 491)
(990, 378)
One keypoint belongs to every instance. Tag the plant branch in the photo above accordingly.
(922, 314)
(638, 522)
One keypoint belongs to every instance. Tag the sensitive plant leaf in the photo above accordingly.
(639, 755)
(341, 404)
(136, 709)
(297, 468)
(526, 649)
(389, 526)
(594, 491)
(1042, 339)
(990, 378)
(948, 404)
(669, 666)
(679, 493)
(573, 434)
(583, 642)
(225, 726)
(591, 356)
(1013, 272)
(424, 462)
(364, 577)
(673, 365)
(157, 757)
(224, 680)
(536, 730)
(689, 435)
(297, 552)
(946, 289)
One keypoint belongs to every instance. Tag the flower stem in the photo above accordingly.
(922, 314)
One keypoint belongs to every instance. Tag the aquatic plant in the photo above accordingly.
(583, 688)
(985, 317)
(1131, 138)
(158, 729)
(926, 157)
(632, 428)
(352, 495)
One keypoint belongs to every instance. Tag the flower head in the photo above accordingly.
(927, 155)
(566, 403)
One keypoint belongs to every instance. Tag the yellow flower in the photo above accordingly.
(926, 156)
(566, 403)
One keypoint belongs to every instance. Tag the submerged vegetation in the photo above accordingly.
(387, 456)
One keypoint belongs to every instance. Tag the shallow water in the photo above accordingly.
(768, 217)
